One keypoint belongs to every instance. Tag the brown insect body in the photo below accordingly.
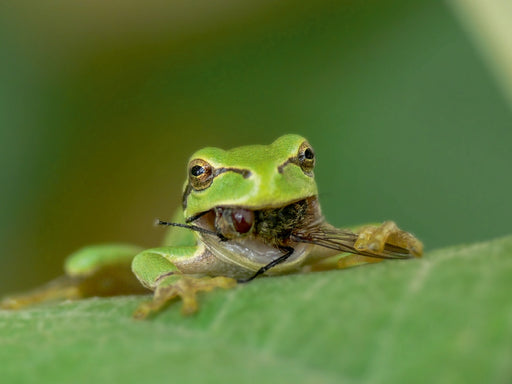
(273, 226)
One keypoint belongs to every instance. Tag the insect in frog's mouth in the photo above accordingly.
(282, 228)
(273, 226)
(270, 233)
(270, 225)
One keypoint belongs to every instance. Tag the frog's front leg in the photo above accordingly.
(363, 245)
(158, 269)
(374, 238)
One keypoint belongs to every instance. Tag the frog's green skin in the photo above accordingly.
(251, 180)
(254, 177)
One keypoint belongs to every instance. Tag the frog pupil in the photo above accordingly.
(197, 170)
(308, 154)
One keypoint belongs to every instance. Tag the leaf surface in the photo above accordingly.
(446, 318)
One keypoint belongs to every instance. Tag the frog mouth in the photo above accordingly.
(272, 226)
(263, 237)
(227, 222)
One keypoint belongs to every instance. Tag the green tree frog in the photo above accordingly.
(246, 212)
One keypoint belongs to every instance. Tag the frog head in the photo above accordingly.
(251, 177)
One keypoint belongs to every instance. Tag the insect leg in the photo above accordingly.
(288, 252)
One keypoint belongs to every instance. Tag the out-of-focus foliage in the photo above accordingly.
(102, 102)
(489, 22)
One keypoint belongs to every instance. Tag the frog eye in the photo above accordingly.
(200, 174)
(306, 157)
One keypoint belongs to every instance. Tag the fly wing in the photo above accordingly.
(344, 240)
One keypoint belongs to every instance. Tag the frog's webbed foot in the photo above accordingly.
(111, 280)
(64, 287)
(181, 286)
(98, 270)
(374, 239)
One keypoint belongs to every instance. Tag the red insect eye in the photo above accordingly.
(242, 220)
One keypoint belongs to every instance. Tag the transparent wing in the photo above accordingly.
(344, 240)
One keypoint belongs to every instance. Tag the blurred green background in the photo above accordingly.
(101, 103)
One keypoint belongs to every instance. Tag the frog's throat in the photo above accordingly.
(251, 254)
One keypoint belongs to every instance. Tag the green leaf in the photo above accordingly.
(446, 318)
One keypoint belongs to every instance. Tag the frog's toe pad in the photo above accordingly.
(186, 288)
(374, 239)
